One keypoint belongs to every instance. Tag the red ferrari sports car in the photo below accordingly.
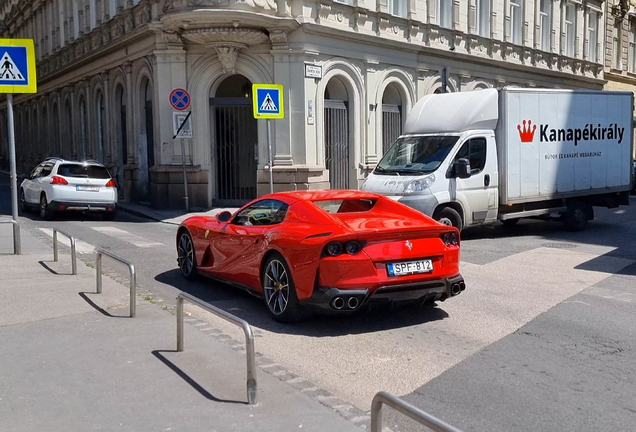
(330, 250)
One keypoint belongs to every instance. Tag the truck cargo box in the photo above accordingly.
(563, 143)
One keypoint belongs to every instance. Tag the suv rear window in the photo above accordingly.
(346, 205)
(84, 171)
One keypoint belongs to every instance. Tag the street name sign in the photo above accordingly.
(17, 66)
(267, 100)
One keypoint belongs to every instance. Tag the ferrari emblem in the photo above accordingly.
(409, 245)
(206, 233)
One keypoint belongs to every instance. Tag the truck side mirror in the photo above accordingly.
(224, 216)
(462, 168)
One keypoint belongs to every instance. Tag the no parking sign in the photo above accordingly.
(180, 99)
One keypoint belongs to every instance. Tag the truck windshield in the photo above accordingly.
(415, 155)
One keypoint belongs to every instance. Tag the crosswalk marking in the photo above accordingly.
(126, 236)
(80, 246)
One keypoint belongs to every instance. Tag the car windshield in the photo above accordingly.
(415, 155)
(346, 205)
(84, 171)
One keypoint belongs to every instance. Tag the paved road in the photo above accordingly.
(484, 360)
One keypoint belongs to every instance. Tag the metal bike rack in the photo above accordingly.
(73, 254)
(133, 278)
(17, 244)
(407, 409)
(249, 338)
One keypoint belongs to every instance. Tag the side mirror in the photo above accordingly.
(224, 216)
(25, 176)
(462, 168)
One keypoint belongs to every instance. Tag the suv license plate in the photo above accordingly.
(88, 188)
(410, 267)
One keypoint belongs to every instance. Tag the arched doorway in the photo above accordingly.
(101, 131)
(69, 147)
(57, 148)
(146, 140)
(391, 116)
(121, 137)
(83, 145)
(235, 146)
(337, 149)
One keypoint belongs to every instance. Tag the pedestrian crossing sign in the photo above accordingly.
(267, 100)
(17, 66)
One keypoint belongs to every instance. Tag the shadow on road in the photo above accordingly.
(253, 310)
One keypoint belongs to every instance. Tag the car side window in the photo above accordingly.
(46, 170)
(37, 172)
(265, 212)
(475, 151)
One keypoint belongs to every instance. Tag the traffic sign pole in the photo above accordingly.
(14, 181)
(269, 155)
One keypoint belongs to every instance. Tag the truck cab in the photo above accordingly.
(445, 165)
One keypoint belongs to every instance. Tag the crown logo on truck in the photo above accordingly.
(526, 133)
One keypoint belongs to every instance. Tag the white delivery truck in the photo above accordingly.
(476, 157)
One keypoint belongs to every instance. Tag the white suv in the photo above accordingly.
(61, 185)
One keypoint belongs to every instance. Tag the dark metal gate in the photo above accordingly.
(391, 125)
(236, 139)
(337, 143)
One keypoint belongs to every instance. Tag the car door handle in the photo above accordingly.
(487, 180)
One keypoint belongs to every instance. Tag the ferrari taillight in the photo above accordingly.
(58, 180)
(351, 247)
(450, 239)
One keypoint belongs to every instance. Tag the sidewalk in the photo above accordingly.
(174, 217)
(72, 360)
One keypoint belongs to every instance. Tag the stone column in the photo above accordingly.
(284, 73)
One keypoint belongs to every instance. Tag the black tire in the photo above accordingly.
(449, 216)
(510, 222)
(279, 291)
(23, 207)
(185, 256)
(45, 212)
(108, 216)
(577, 215)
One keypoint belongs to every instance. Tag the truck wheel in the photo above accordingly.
(510, 222)
(577, 215)
(448, 216)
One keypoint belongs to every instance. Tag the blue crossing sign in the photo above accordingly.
(17, 66)
(267, 100)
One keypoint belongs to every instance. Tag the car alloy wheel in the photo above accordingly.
(185, 256)
(276, 287)
(279, 291)
(45, 212)
(22, 205)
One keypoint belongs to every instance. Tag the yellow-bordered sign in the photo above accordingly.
(17, 66)
(267, 100)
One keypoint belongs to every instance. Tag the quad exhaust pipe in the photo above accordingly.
(456, 289)
(340, 303)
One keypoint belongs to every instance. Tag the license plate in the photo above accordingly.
(410, 267)
(88, 188)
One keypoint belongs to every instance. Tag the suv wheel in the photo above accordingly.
(45, 211)
(22, 204)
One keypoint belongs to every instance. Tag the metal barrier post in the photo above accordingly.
(133, 278)
(17, 244)
(252, 389)
(73, 251)
(407, 409)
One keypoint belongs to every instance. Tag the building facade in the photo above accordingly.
(351, 71)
